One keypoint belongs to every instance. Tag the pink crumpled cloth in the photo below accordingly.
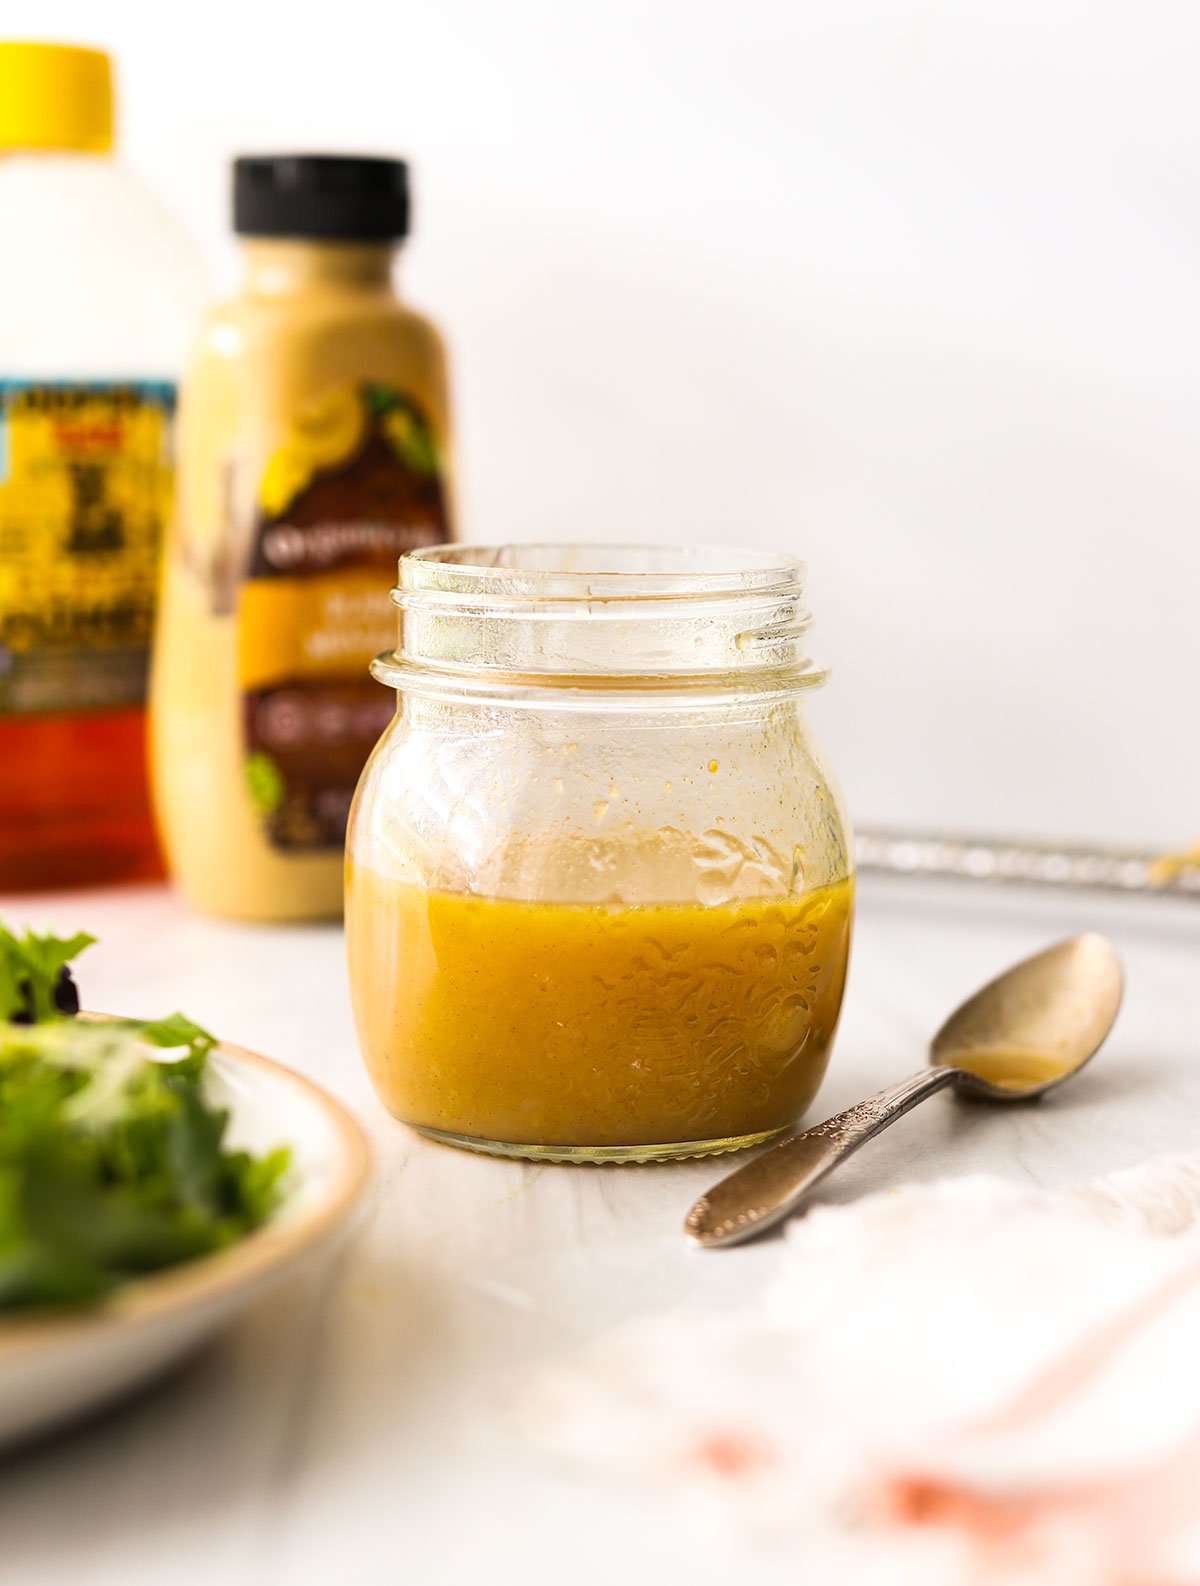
(965, 1382)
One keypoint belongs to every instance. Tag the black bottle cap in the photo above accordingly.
(324, 197)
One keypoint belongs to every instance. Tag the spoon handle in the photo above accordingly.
(770, 1188)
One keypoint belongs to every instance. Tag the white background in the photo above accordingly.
(911, 289)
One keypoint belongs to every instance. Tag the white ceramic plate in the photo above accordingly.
(55, 1367)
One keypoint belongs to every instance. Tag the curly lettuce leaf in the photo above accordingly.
(113, 1161)
(31, 973)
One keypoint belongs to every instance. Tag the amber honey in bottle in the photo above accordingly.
(96, 292)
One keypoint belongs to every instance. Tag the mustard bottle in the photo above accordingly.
(313, 451)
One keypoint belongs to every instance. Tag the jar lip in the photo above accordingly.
(609, 622)
(589, 571)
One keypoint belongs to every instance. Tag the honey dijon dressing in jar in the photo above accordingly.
(314, 438)
(650, 1021)
(599, 886)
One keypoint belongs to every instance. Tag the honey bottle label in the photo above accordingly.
(357, 481)
(86, 474)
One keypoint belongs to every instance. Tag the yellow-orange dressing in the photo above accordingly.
(566, 1024)
(1008, 1069)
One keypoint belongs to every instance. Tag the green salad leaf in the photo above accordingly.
(113, 1161)
(33, 970)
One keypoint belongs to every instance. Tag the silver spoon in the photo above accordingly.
(1023, 1034)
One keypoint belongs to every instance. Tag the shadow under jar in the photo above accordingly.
(599, 887)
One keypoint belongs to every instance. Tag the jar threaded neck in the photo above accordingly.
(586, 617)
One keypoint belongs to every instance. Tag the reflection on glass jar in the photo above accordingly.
(599, 885)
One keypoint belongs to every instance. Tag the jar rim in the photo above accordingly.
(591, 571)
(614, 622)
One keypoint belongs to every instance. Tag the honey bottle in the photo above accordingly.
(97, 294)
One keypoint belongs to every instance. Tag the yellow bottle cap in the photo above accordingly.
(55, 96)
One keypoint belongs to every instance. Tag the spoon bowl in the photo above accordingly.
(1035, 1026)
(1021, 1035)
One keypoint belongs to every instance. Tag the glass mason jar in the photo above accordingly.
(599, 882)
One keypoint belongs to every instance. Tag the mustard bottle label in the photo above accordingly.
(85, 487)
(357, 481)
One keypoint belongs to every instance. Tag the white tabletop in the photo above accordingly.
(362, 1424)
